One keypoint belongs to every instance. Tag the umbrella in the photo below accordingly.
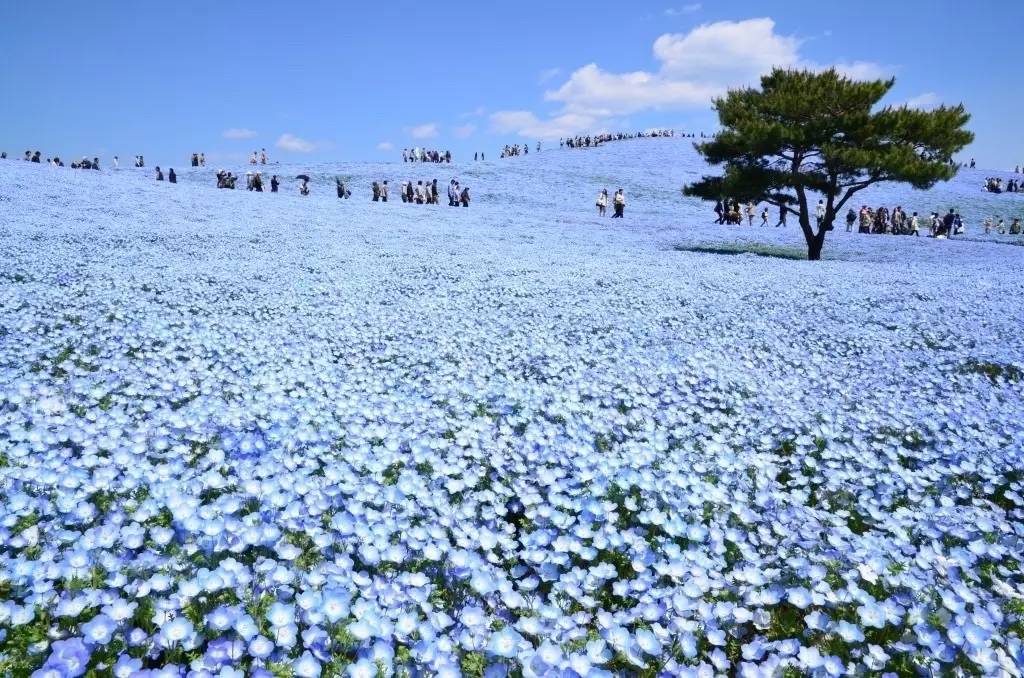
(304, 177)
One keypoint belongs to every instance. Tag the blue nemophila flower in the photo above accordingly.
(99, 629)
(175, 631)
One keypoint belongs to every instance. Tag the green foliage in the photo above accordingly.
(808, 132)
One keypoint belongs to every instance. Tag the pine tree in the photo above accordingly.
(806, 133)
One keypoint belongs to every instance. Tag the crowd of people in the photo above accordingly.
(517, 150)
(995, 185)
(1000, 226)
(881, 220)
(425, 155)
(599, 139)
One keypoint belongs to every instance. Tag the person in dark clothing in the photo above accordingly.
(339, 185)
(274, 183)
(410, 192)
(448, 156)
(257, 183)
(464, 197)
(947, 223)
(159, 174)
(433, 190)
(375, 188)
(171, 176)
(720, 211)
(35, 156)
(782, 216)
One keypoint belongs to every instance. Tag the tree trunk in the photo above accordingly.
(814, 246)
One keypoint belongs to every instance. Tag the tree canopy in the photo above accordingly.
(806, 132)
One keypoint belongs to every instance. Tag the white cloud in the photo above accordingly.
(425, 131)
(685, 9)
(385, 146)
(465, 131)
(925, 101)
(526, 124)
(239, 133)
(290, 142)
(693, 68)
(863, 70)
(594, 92)
(548, 74)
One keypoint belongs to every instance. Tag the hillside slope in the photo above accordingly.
(513, 435)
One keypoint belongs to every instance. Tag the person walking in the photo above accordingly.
(782, 216)
(750, 213)
(720, 212)
(819, 212)
(619, 203)
(602, 202)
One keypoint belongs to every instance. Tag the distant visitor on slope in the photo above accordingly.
(409, 188)
(257, 182)
(433, 192)
(764, 217)
(719, 212)
(263, 156)
(384, 191)
(115, 162)
(453, 193)
(304, 187)
(274, 183)
(171, 176)
(159, 174)
(464, 196)
(375, 190)
(602, 202)
(819, 212)
(851, 217)
(619, 203)
(782, 216)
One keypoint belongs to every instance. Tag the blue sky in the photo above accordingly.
(360, 81)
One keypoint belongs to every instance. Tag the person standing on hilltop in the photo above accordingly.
(263, 156)
(375, 190)
(602, 202)
(274, 183)
(619, 203)
(159, 174)
(171, 176)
